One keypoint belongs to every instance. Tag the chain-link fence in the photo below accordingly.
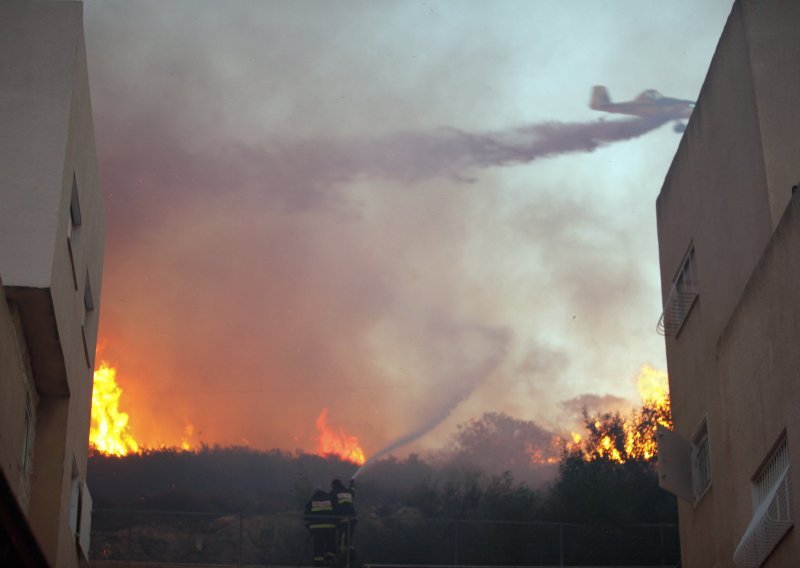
(281, 540)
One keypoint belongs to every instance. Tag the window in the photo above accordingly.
(74, 498)
(685, 281)
(88, 305)
(684, 466)
(772, 508)
(771, 473)
(28, 430)
(88, 300)
(681, 297)
(86, 346)
(85, 521)
(74, 204)
(74, 221)
(80, 511)
(701, 462)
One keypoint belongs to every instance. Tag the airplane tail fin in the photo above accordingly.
(600, 98)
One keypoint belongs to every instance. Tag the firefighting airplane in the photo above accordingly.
(650, 103)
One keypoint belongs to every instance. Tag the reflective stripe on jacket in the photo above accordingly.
(314, 526)
(319, 512)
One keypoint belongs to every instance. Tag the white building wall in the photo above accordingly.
(38, 48)
(46, 142)
(726, 192)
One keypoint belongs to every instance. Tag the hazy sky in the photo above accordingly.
(397, 210)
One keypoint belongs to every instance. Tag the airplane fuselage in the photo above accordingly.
(648, 104)
(674, 108)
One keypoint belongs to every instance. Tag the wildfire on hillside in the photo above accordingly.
(110, 427)
(109, 433)
(341, 444)
(611, 436)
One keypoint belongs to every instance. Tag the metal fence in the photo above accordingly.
(281, 540)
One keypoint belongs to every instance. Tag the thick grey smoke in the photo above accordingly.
(284, 217)
(297, 186)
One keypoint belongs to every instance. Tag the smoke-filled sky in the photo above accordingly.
(402, 211)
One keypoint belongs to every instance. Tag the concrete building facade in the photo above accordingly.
(729, 245)
(51, 260)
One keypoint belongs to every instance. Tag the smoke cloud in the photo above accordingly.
(289, 202)
(289, 228)
(302, 174)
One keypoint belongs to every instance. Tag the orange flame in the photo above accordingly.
(108, 433)
(548, 455)
(337, 443)
(654, 390)
(186, 444)
(637, 437)
(653, 386)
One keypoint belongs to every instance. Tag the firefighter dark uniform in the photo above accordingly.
(344, 508)
(321, 522)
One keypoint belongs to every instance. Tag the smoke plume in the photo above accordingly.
(288, 230)
(450, 152)
(313, 284)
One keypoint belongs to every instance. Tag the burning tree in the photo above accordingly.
(609, 477)
(615, 438)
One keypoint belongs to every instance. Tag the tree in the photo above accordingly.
(607, 481)
(497, 442)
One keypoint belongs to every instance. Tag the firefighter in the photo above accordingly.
(321, 523)
(344, 508)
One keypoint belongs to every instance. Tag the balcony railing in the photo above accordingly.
(679, 303)
(771, 521)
